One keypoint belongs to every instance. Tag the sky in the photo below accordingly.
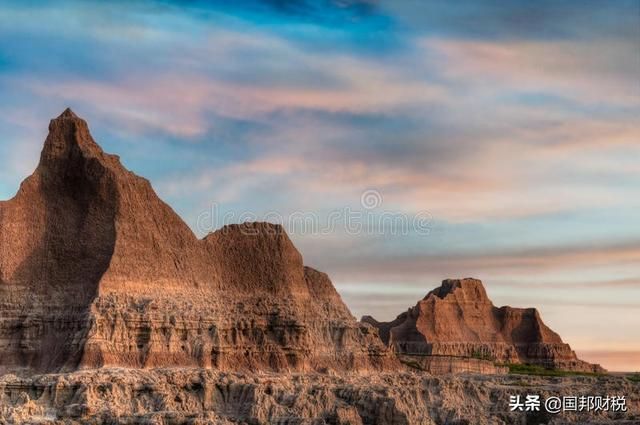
(400, 142)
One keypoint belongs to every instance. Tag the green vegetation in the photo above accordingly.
(537, 370)
(411, 364)
(635, 377)
(481, 356)
(519, 383)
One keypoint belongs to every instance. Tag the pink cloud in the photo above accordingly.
(599, 72)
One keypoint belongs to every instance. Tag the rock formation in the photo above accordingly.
(112, 311)
(204, 397)
(95, 270)
(458, 319)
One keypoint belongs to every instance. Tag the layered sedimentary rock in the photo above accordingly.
(95, 270)
(458, 319)
(444, 365)
(200, 396)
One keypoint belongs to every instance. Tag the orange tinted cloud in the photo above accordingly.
(600, 71)
(621, 361)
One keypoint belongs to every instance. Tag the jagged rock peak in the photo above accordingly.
(68, 138)
(471, 289)
(67, 119)
(458, 319)
(67, 113)
(110, 276)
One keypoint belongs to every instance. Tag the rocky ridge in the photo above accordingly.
(112, 311)
(458, 319)
(95, 271)
(203, 396)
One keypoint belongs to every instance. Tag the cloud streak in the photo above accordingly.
(514, 125)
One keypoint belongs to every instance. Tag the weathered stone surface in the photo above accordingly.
(442, 365)
(95, 270)
(112, 311)
(458, 319)
(201, 396)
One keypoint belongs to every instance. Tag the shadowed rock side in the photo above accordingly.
(458, 319)
(57, 238)
(95, 270)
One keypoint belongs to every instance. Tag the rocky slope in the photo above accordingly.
(112, 311)
(95, 270)
(201, 396)
(459, 319)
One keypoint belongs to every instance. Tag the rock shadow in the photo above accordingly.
(61, 276)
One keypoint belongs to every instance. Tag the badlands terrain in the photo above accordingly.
(205, 396)
(112, 311)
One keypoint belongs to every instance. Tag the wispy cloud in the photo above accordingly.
(514, 125)
(595, 73)
(516, 263)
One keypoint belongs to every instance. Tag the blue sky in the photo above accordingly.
(512, 126)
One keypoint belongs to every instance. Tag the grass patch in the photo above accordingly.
(411, 364)
(519, 383)
(634, 377)
(481, 356)
(537, 370)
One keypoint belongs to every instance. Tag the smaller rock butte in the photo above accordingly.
(458, 319)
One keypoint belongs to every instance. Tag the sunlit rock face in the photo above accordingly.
(179, 396)
(95, 270)
(459, 319)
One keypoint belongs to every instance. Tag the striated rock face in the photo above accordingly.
(199, 396)
(443, 365)
(95, 270)
(458, 319)
(112, 311)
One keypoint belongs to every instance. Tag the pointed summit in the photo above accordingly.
(69, 141)
(68, 117)
(109, 275)
(67, 113)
